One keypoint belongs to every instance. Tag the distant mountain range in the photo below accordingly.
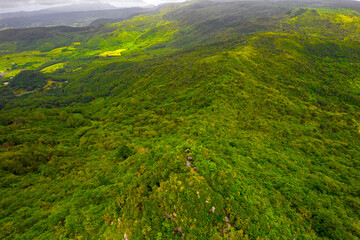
(61, 9)
(71, 15)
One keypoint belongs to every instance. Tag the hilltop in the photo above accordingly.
(199, 120)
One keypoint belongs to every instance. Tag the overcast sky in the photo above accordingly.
(30, 5)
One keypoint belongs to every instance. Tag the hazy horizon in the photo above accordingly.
(8, 6)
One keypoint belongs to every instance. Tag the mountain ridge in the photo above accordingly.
(78, 18)
(197, 120)
(62, 9)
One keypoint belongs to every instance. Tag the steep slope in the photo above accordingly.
(270, 116)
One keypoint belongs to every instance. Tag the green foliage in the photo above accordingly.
(25, 160)
(76, 120)
(28, 80)
(271, 119)
(123, 152)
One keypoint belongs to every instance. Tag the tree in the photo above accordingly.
(28, 80)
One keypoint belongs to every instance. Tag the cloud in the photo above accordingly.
(31, 5)
(24, 3)
(13, 3)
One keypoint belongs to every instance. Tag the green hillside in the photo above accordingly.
(203, 120)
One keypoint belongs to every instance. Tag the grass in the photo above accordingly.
(53, 68)
(112, 53)
(29, 60)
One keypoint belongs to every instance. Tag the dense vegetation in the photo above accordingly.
(201, 120)
(28, 80)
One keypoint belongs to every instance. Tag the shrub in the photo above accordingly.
(123, 152)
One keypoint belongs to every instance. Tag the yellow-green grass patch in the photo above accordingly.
(57, 52)
(112, 53)
(53, 68)
(49, 84)
(13, 73)
(28, 60)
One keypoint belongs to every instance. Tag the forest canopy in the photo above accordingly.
(200, 120)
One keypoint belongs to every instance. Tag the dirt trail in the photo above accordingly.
(18, 95)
